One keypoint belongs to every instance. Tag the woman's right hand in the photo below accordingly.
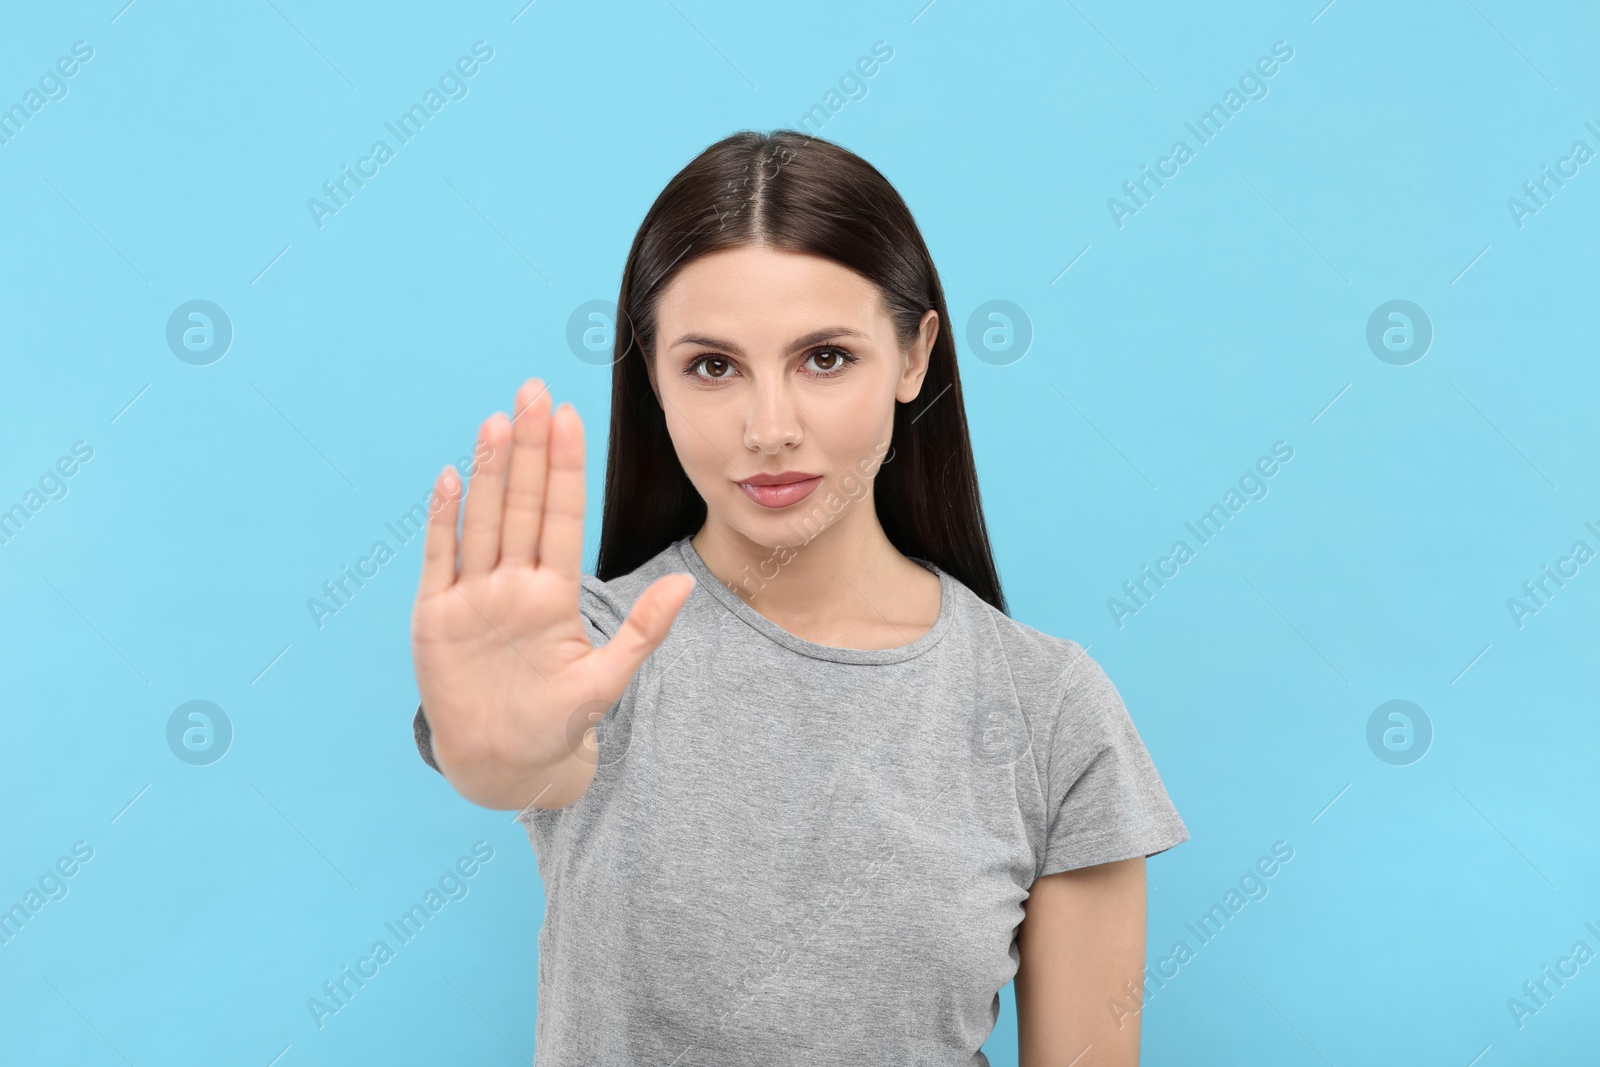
(509, 681)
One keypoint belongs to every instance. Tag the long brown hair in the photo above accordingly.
(800, 193)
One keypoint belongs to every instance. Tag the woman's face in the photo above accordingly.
(778, 362)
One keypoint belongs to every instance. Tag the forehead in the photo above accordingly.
(759, 291)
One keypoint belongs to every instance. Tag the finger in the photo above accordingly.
(486, 494)
(530, 433)
(561, 530)
(646, 626)
(439, 544)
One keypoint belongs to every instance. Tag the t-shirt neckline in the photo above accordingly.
(772, 631)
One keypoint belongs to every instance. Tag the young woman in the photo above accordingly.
(799, 789)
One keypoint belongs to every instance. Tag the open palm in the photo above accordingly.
(508, 677)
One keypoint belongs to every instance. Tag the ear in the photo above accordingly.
(916, 358)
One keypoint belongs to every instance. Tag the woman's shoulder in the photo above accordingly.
(1043, 668)
(1012, 637)
(606, 602)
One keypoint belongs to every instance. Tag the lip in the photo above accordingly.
(782, 489)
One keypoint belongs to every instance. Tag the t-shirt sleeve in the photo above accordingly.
(1105, 800)
(599, 622)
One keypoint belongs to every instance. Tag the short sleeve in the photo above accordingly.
(1105, 800)
(599, 622)
(601, 615)
(424, 738)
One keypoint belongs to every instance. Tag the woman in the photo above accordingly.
(838, 797)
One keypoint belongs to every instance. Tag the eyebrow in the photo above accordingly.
(815, 337)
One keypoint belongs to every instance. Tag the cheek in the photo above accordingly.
(700, 434)
(848, 424)
(843, 432)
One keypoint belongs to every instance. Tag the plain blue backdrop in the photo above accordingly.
(1148, 349)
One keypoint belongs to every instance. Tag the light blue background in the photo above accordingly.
(1228, 314)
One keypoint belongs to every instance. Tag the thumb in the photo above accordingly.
(646, 626)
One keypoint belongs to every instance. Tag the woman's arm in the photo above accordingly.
(1081, 944)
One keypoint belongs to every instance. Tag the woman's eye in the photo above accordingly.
(708, 361)
(831, 361)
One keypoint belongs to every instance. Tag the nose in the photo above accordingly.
(772, 424)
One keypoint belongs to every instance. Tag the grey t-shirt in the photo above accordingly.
(797, 854)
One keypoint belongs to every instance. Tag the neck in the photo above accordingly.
(792, 577)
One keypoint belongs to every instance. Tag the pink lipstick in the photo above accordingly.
(781, 489)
